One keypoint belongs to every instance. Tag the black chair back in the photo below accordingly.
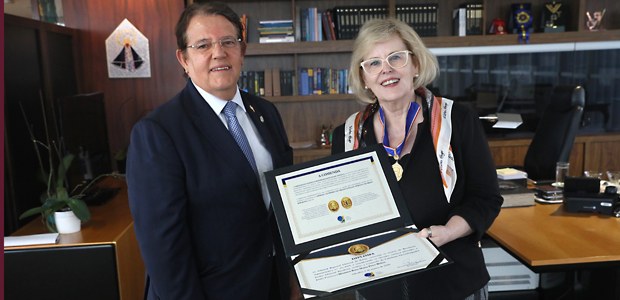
(555, 132)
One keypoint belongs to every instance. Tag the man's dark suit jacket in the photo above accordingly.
(200, 220)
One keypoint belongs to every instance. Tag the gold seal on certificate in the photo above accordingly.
(346, 202)
(398, 170)
(333, 205)
(358, 249)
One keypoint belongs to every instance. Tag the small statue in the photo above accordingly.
(324, 140)
(595, 20)
(498, 26)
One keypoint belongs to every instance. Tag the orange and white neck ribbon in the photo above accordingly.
(441, 130)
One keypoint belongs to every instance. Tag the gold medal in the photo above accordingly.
(333, 205)
(398, 169)
(346, 202)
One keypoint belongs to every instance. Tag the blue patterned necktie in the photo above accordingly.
(237, 132)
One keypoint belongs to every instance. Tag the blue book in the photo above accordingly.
(303, 82)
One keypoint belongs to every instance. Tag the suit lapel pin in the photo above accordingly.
(252, 108)
(262, 120)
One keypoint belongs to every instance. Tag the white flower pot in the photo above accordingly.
(67, 222)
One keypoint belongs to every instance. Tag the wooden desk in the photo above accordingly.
(111, 227)
(546, 238)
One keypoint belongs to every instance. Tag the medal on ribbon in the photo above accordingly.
(395, 152)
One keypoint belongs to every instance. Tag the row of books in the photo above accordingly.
(314, 25)
(270, 82)
(322, 81)
(349, 19)
(276, 31)
(467, 19)
(344, 22)
(312, 81)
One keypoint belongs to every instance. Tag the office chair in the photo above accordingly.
(555, 132)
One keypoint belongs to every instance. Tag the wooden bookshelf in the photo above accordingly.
(304, 115)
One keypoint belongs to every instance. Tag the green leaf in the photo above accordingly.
(53, 204)
(63, 166)
(80, 209)
(31, 212)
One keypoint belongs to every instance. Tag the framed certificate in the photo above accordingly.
(344, 222)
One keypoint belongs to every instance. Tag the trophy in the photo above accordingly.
(554, 17)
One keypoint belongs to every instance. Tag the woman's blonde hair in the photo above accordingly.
(378, 30)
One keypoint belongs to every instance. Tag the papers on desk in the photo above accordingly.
(34, 239)
(510, 174)
(508, 121)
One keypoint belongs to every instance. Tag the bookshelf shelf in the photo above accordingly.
(311, 98)
(338, 46)
(345, 46)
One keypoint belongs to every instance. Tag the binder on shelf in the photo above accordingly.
(349, 19)
(288, 83)
(474, 18)
(421, 17)
(260, 83)
(275, 80)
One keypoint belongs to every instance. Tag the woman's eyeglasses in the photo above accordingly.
(395, 60)
(206, 45)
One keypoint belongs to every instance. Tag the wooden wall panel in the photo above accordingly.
(509, 152)
(603, 156)
(595, 152)
(126, 99)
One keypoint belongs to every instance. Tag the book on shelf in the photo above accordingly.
(288, 83)
(459, 21)
(467, 19)
(244, 22)
(252, 82)
(276, 89)
(328, 25)
(268, 82)
(276, 31)
(276, 39)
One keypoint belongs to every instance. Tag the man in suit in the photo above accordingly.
(202, 213)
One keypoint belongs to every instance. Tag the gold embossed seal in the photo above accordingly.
(358, 249)
(333, 205)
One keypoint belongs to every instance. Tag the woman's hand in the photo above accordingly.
(294, 286)
(440, 235)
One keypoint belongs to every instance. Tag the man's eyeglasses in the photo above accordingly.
(206, 45)
(395, 60)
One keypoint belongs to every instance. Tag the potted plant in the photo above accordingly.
(61, 212)
(57, 203)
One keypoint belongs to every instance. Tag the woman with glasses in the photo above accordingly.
(195, 174)
(438, 152)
